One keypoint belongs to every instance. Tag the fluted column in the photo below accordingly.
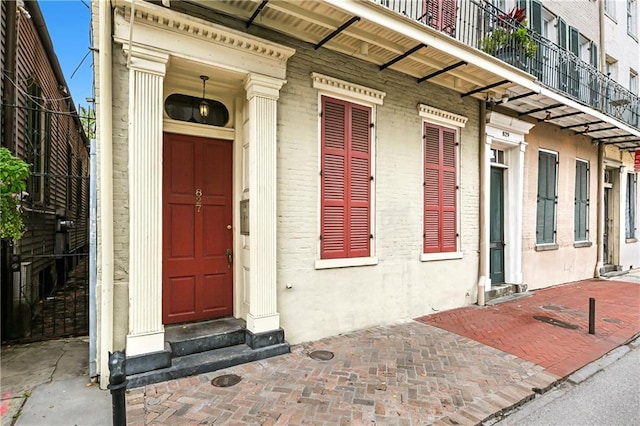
(262, 94)
(146, 74)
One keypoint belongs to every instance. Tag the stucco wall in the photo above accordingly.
(567, 263)
(327, 302)
(619, 45)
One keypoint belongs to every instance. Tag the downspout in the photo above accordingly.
(9, 95)
(482, 272)
(603, 53)
(600, 212)
(104, 111)
(93, 268)
(600, 203)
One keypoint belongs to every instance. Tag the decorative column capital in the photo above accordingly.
(146, 60)
(263, 86)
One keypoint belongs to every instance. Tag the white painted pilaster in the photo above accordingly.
(146, 74)
(262, 94)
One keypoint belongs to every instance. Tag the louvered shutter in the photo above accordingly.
(581, 201)
(346, 179)
(359, 178)
(545, 217)
(448, 17)
(432, 188)
(431, 13)
(440, 191)
(594, 86)
(449, 231)
(333, 191)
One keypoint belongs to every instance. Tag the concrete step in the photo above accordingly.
(500, 290)
(204, 336)
(203, 347)
(205, 362)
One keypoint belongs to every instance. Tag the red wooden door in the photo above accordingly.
(197, 237)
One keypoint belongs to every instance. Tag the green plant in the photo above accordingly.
(13, 175)
(510, 33)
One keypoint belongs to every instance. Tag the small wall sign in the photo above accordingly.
(244, 217)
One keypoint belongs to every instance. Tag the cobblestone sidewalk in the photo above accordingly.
(403, 374)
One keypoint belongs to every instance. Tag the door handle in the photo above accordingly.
(229, 258)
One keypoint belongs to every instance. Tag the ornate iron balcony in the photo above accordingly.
(500, 34)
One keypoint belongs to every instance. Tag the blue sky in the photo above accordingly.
(69, 23)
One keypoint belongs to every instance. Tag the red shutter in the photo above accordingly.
(440, 14)
(333, 216)
(431, 13)
(346, 172)
(448, 17)
(359, 179)
(432, 187)
(440, 233)
(449, 191)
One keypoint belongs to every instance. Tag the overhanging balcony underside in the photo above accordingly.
(313, 21)
(380, 37)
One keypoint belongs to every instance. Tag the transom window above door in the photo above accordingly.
(185, 108)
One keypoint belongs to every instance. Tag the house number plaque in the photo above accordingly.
(198, 199)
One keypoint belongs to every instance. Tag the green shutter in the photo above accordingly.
(593, 50)
(536, 16)
(545, 217)
(581, 201)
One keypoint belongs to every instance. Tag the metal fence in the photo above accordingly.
(45, 275)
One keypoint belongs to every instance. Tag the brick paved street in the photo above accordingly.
(455, 367)
(403, 374)
(510, 326)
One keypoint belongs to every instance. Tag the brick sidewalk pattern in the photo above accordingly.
(403, 374)
(510, 326)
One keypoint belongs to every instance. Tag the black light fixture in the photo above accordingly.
(547, 117)
(204, 105)
(586, 130)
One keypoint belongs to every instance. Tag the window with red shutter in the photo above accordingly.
(440, 189)
(440, 14)
(345, 179)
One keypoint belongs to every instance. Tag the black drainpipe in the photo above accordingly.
(8, 97)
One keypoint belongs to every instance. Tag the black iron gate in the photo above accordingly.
(45, 275)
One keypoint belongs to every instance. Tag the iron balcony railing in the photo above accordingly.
(481, 25)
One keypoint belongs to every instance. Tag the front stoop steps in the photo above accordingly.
(203, 347)
(500, 291)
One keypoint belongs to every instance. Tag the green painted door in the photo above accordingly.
(496, 228)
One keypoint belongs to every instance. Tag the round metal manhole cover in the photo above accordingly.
(226, 380)
(321, 355)
(613, 320)
(554, 321)
(551, 308)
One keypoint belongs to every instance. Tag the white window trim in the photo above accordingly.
(361, 95)
(455, 122)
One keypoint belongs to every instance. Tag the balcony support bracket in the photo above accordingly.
(257, 12)
(337, 31)
(482, 89)
(442, 71)
(541, 109)
(404, 55)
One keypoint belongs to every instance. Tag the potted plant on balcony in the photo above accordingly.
(509, 39)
